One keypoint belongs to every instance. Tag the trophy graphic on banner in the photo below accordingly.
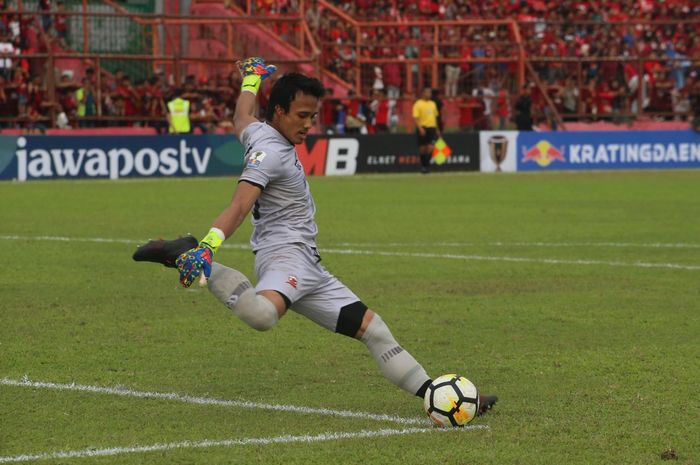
(498, 150)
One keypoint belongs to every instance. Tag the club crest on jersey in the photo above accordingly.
(256, 158)
(292, 281)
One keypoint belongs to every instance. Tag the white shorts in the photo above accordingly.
(295, 272)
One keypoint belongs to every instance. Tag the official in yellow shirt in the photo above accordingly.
(425, 114)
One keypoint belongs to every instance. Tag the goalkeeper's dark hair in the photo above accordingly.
(286, 89)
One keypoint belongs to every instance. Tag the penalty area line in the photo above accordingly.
(187, 399)
(203, 444)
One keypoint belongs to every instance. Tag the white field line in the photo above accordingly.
(9, 237)
(329, 436)
(653, 245)
(466, 257)
(487, 258)
(187, 399)
(548, 245)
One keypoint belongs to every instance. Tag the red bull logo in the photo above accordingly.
(543, 153)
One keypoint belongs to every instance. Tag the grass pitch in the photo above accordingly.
(573, 296)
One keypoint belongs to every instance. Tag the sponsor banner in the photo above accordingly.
(498, 151)
(607, 150)
(386, 153)
(109, 157)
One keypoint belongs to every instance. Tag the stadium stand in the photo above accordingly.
(589, 60)
(569, 63)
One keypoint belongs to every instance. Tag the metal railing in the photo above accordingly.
(96, 41)
(422, 51)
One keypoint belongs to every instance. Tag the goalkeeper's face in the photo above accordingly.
(298, 121)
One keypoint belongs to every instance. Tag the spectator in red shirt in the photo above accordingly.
(155, 105)
(661, 99)
(126, 91)
(392, 79)
(471, 113)
(35, 123)
(355, 119)
(381, 108)
(35, 94)
(604, 98)
(501, 110)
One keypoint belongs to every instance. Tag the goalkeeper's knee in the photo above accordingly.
(235, 291)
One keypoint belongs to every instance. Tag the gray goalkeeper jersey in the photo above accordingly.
(284, 212)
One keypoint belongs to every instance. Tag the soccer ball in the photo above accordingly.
(451, 400)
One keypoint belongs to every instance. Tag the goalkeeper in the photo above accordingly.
(287, 262)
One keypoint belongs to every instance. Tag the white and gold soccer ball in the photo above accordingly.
(451, 400)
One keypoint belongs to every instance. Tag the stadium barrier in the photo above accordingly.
(25, 158)
(583, 150)
(385, 153)
(109, 157)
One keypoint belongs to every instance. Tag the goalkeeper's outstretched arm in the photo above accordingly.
(244, 114)
(198, 261)
(254, 71)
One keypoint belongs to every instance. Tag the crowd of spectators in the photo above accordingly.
(120, 101)
(21, 90)
(81, 98)
(115, 99)
(652, 64)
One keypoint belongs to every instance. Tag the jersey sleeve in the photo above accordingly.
(249, 133)
(260, 165)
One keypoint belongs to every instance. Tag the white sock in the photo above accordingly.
(395, 363)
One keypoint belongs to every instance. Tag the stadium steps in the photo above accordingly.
(254, 40)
